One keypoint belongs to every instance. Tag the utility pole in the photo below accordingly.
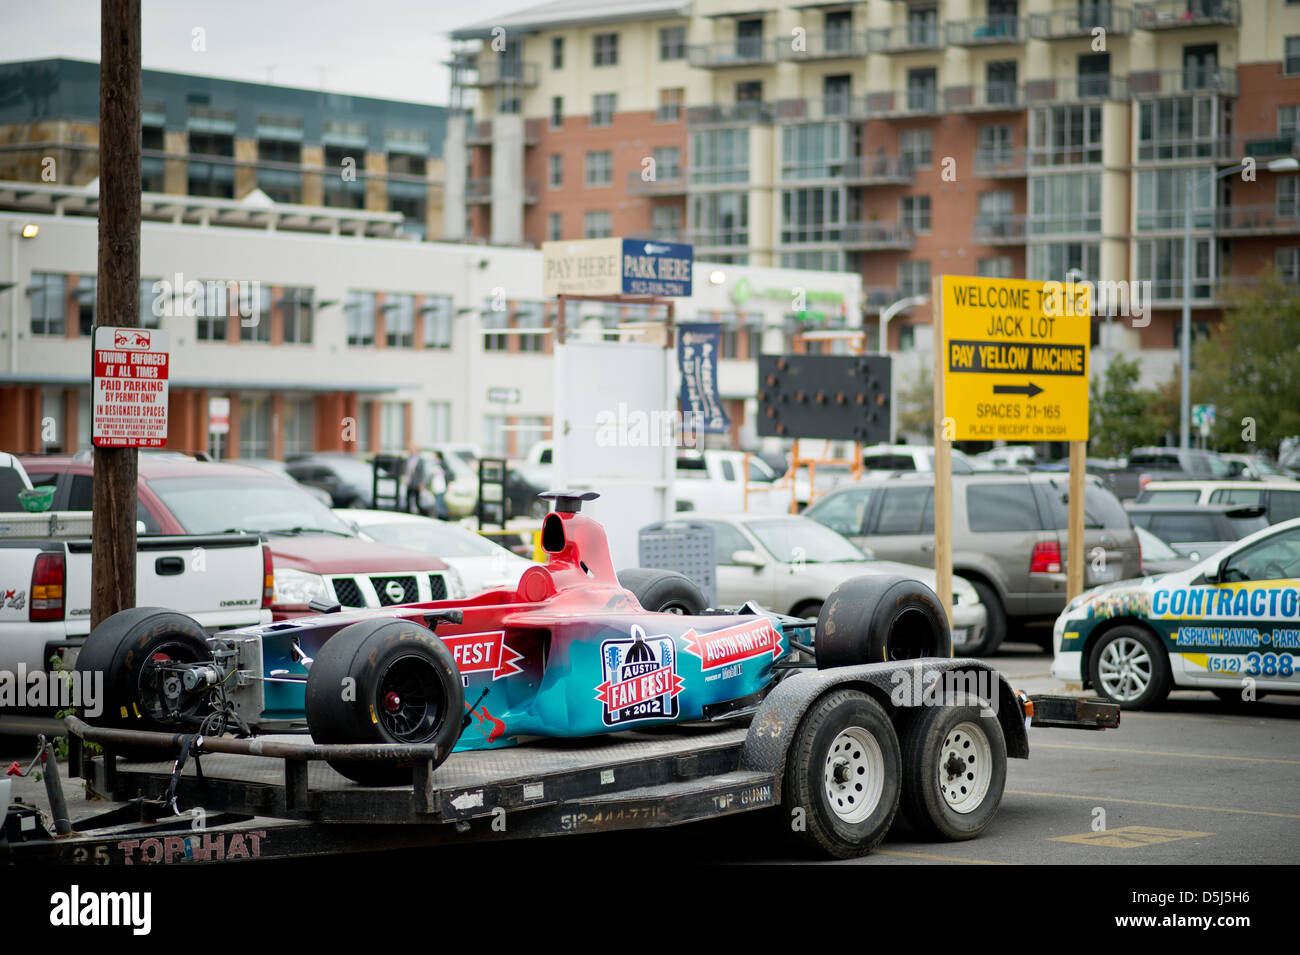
(113, 544)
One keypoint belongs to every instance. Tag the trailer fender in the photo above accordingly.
(897, 686)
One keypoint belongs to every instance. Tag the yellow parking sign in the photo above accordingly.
(1015, 359)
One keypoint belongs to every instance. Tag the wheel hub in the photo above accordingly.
(840, 771)
(954, 765)
(392, 701)
(965, 767)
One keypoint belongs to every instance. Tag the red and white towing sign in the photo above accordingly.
(129, 406)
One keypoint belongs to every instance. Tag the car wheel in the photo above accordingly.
(1129, 666)
(809, 609)
(663, 591)
(842, 774)
(995, 626)
(384, 681)
(954, 771)
(873, 619)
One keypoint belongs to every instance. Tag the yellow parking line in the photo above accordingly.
(935, 858)
(1158, 805)
(1161, 752)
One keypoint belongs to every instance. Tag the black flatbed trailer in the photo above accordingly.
(279, 799)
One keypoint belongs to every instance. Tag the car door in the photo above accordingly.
(846, 513)
(1193, 534)
(738, 582)
(901, 524)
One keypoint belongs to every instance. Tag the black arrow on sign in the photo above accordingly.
(1028, 390)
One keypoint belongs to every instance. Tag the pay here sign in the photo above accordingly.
(1015, 359)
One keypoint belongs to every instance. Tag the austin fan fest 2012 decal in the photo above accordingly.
(641, 680)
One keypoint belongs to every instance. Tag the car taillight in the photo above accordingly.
(49, 575)
(268, 578)
(1046, 558)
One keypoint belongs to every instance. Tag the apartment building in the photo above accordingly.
(898, 141)
(212, 138)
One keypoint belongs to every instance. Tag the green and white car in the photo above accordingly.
(1229, 624)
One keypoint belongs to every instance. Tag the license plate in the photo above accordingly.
(1104, 575)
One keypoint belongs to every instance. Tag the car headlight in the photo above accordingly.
(297, 588)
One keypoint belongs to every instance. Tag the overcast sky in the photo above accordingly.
(393, 49)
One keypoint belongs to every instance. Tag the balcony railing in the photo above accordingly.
(823, 46)
(495, 71)
(742, 51)
(1176, 14)
(999, 163)
(478, 190)
(879, 170)
(983, 31)
(1258, 220)
(1076, 89)
(716, 114)
(878, 235)
(989, 98)
(665, 184)
(999, 230)
(736, 239)
(1197, 79)
(905, 39)
(828, 108)
(1067, 24)
(915, 102)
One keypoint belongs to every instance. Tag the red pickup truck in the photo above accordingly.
(316, 555)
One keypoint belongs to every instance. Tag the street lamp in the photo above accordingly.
(1287, 164)
(893, 309)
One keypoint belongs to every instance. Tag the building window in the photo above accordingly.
(1160, 261)
(1052, 262)
(148, 318)
(557, 52)
(256, 327)
(279, 143)
(299, 426)
(922, 89)
(720, 218)
(296, 315)
(495, 436)
(599, 169)
(1162, 197)
(749, 99)
(254, 427)
(344, 176)
(605, 49)
(399, 320)
(439, 422)
(412, 201)
(49, 302)
(1288, 197)
(554, 226)
(749, 39)
(1288, 121)
(557, 112)
(598, 225)
(668, 163)
(603, 106)
(672, 43)
(994, 149)
(915, 147)
(1183, 127)
(1065, 135)
(437, 311)
(666, 222)
(1291, 61)
(360, 310)
(812, 151)
(555, 170)
(670, 105)
(720, 156)
(211, 133)
(392, 425)
(1000, 79)
(998, 267)
(85, 296)
(1287, 264)
(1065, 204)
(812, 215)
(495, 319)
(914, 212)
(214, 310)
(913, 278)
(531, 315)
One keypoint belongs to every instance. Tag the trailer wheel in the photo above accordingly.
(842, 774)
(954, 771)
(124, 650)
(384, 681)
(873, 619)
(663, 591)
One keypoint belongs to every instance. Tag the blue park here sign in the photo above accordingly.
(657, 268)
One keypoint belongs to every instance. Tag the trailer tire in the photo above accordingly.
(874, 619)
(841, 786)
(384, 681)
(122, 649)
(663, 591)
(954, 770)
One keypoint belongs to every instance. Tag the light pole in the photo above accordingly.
(1287, 164)
(893, 309)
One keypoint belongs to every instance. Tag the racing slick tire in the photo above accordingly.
(405, 689)
(995, 626)
(1129, 666)
(124, 649)
(873, 619)
(842, 771)
(954, 770)
(663, 591)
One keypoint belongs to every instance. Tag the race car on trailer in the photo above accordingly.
(686, 713)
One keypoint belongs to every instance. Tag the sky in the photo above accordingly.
(392, 49)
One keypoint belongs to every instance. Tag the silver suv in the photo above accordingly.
(1009, 537)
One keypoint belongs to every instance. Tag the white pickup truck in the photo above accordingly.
(221, 580)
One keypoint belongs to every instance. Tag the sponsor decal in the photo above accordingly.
(484, 653)
(1242, 601)
(641, 681)
(722, 648)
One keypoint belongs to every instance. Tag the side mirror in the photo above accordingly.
(748, 558)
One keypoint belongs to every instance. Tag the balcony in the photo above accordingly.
(667, 185)
(495, 71)
(880, 170)
(1178, 14)
(826, 109)
(878, 235)
(479, 191)
(986, 31)
(743, 51)
(894, 104)
(733, 241)
(1076, 89)
(722, 114)
(478, 134)
(1070, 24)
(999, 163)
(993, 97)
(824, 46)
(999, 230)
(1219, 79)
(912, 38)
(1258, 220)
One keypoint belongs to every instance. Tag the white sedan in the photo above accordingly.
(480, 562)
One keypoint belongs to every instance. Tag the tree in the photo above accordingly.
(916, 414)
(1121, 412)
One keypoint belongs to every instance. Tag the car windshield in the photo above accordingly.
(1153, 548)
(212, 504)
(791, 541)
(433, 537)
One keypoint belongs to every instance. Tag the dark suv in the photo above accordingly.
(1009, 537)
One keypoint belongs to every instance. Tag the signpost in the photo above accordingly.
(129, 397)
(1011, 363)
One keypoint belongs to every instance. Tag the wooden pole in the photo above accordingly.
(113, 543)
(942, 465)
(1074, 556)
